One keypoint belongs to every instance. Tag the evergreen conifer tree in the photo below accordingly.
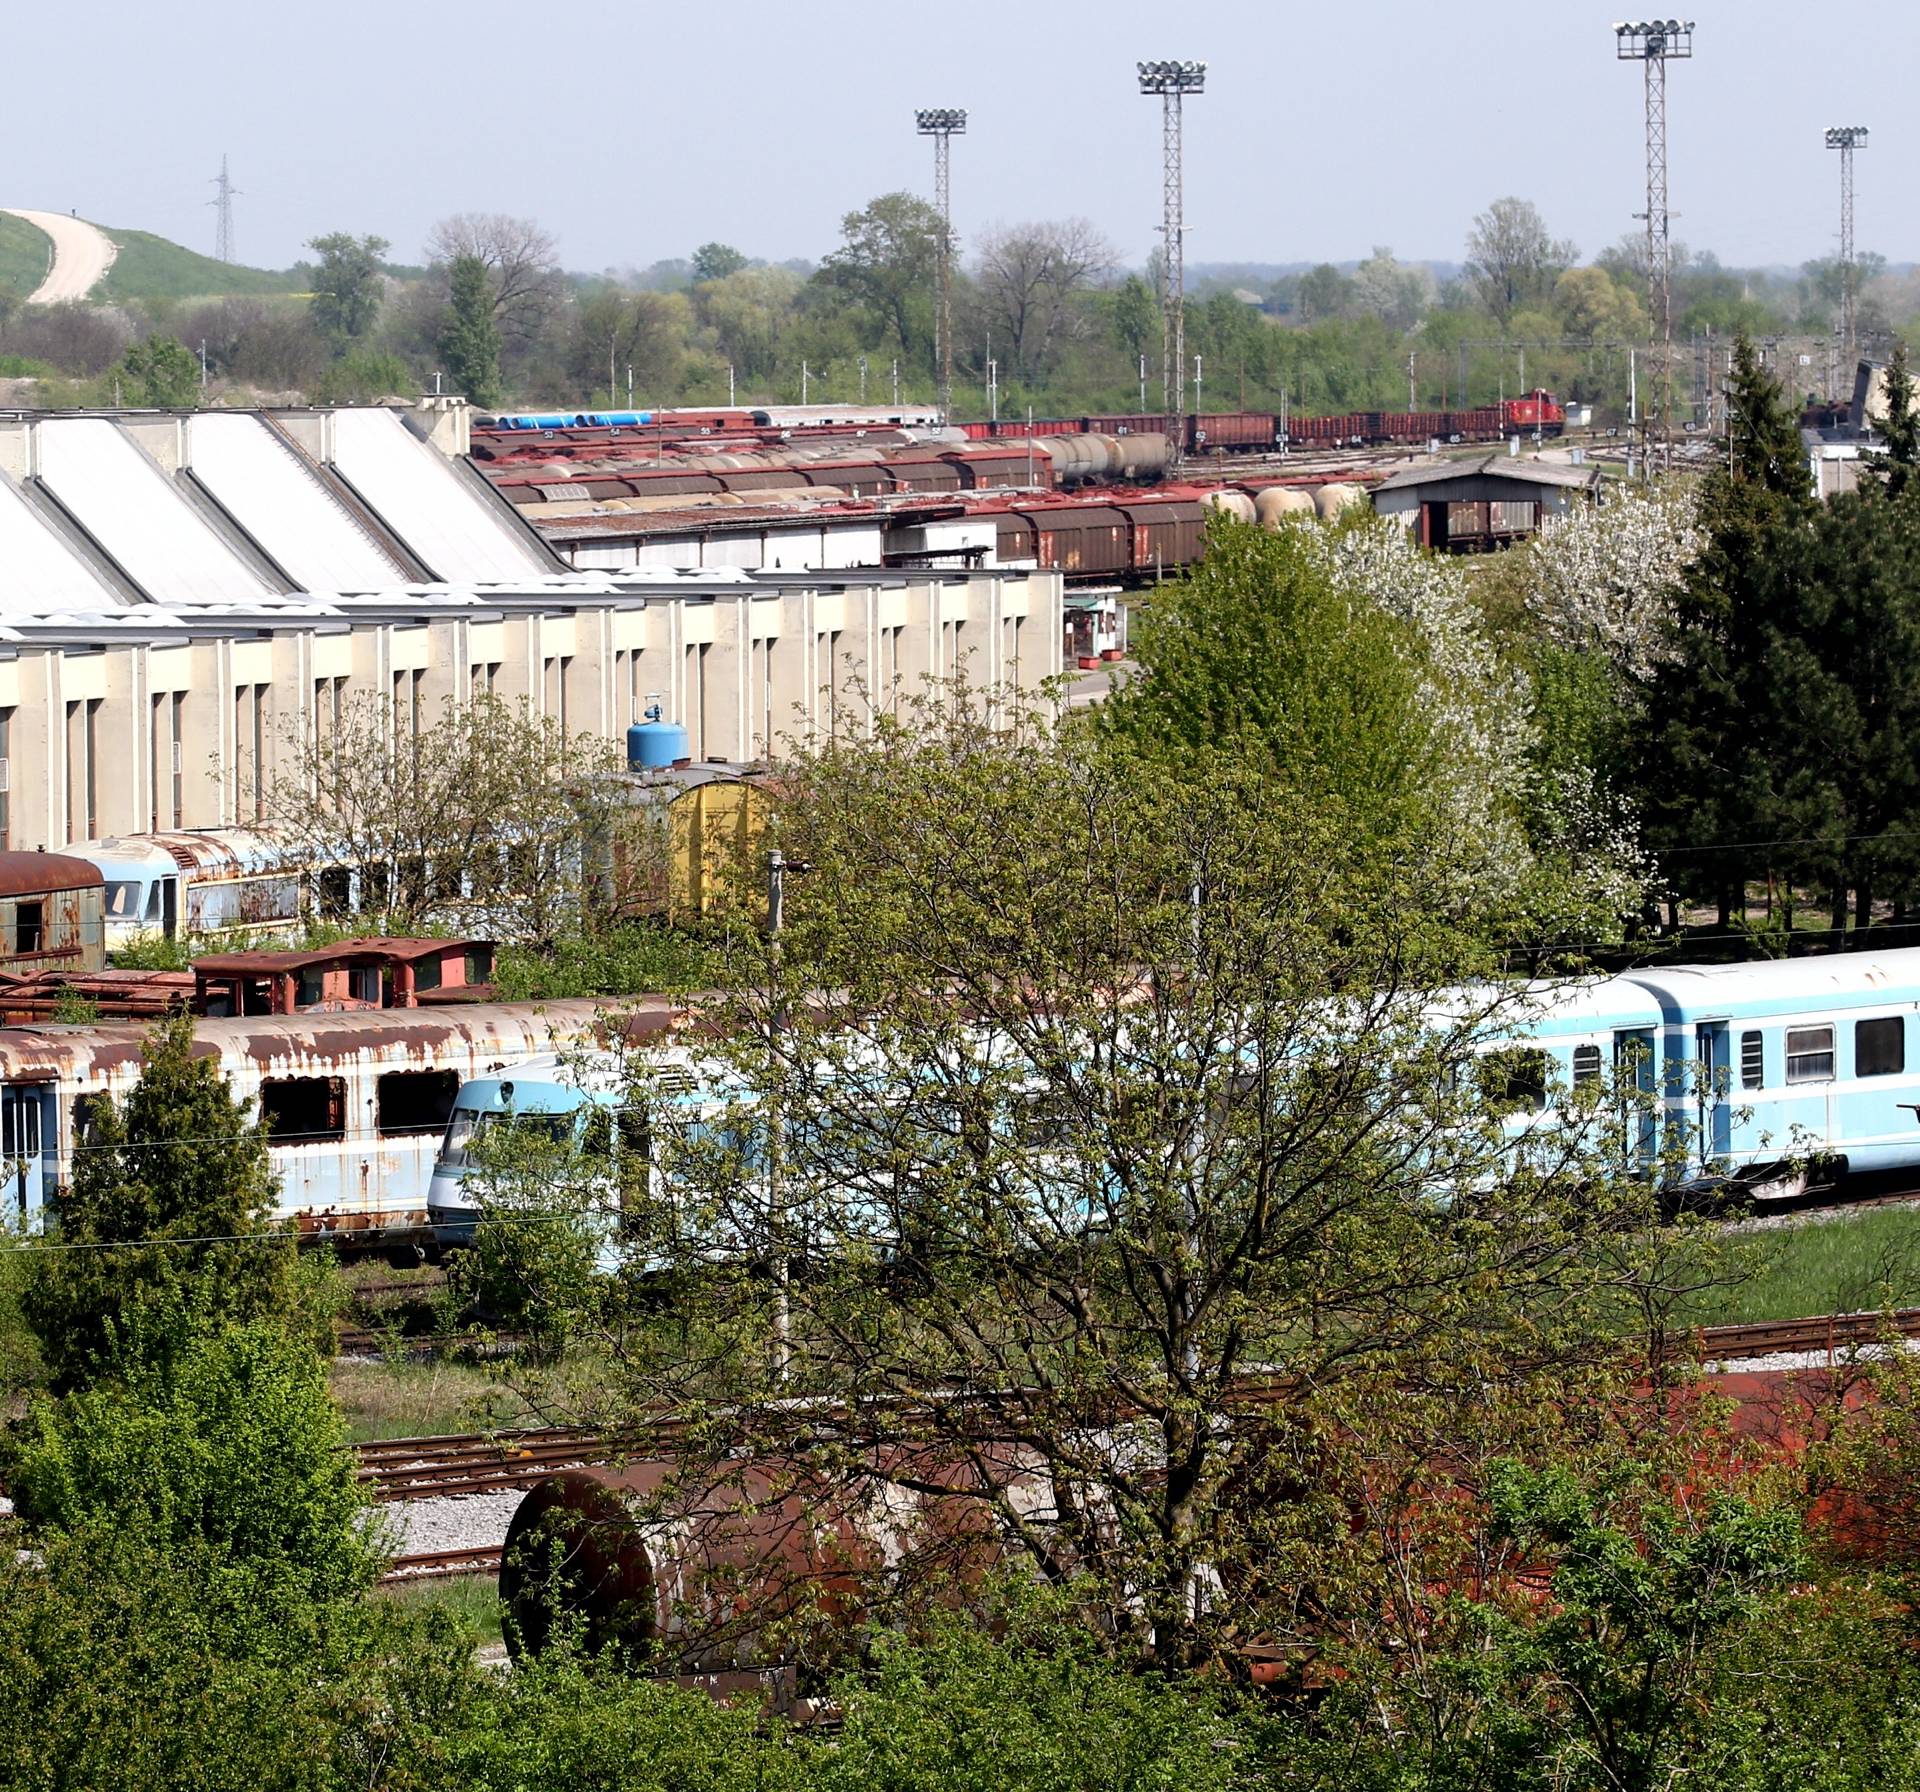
(159, 1233)
(1903, 425)
(470, 340)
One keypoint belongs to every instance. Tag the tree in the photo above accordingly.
(750, 314)
(614, 330)
(522, 269)
(1510, 258)
(715, 261)
(1396, 294)
(1590, 303)
(1028, 277)
(161, 372)
(161, 1230)
(235, 1445)
(1647, 1591)
(470, 341)
(1606, 579)
(1078, 1153)
(1356, 668)
(487, 808)
(885, 267)
(1790, 705)
(1136, 318)
(1902, 428)
(346, 284)
(1325, 292)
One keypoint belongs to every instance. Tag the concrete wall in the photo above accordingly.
(745, 665)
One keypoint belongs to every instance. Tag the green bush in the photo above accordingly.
(235, 1446)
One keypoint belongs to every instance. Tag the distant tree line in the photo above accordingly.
(1045, 303)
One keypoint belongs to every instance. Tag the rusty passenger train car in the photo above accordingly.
(355, 1103)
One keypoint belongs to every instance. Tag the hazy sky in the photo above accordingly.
(636, 131)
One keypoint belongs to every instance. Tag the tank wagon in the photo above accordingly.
(357, 1103)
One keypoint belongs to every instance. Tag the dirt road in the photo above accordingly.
(82, 254)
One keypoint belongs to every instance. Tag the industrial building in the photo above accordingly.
(180, 593)
(1484, 503)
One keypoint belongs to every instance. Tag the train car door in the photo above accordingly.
(1713, 1113)
(25, 1132)
(1633, 1068)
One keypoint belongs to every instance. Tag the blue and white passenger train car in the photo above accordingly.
(1755, 1072)
(1807, 1057)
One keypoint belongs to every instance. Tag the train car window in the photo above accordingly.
(123, 900)
(1753, 1061)
(1879, 1046)
(1809, 1054)
(334, 893)
(29, 926)
(408, 1103)
(1513, 1080)
(1586, 1064)
(304, 1110)
(87, 1113)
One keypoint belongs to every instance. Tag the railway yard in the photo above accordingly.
(1054, 1057)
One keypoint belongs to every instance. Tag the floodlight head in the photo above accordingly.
(941, 121)
(1847, 136)
(1172, 77)
(1653, 40)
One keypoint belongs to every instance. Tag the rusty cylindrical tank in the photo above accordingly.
(731, 1566)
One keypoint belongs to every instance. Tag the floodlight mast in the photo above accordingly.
(943, 124)
(1654, 43)
(1846, 139)
(1172, 81)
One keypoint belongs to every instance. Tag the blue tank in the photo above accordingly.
(654, 745)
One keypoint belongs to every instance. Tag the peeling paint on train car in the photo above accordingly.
(352, 1170)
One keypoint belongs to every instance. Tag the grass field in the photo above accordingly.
(419, 1399)
(1846, 1263)
(23, 256)
(472, 1599)
(150, 267)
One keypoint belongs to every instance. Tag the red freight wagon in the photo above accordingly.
(1232, 429)
(1089, 539)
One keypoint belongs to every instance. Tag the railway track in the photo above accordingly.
(443, 1564)
(1781, 1337)
(416, 1468)
(412, 1468)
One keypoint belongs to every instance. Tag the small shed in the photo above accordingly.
(349, 974)
(1482, 504)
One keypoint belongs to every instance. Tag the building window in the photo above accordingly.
(1809, 1054)
(304, 1110)
(1753, 1061)
(177, 757)
(261, 697)
(90, 746)
(1879, 1046)
(6, 780)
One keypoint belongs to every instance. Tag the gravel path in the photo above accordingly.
(82, 253)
